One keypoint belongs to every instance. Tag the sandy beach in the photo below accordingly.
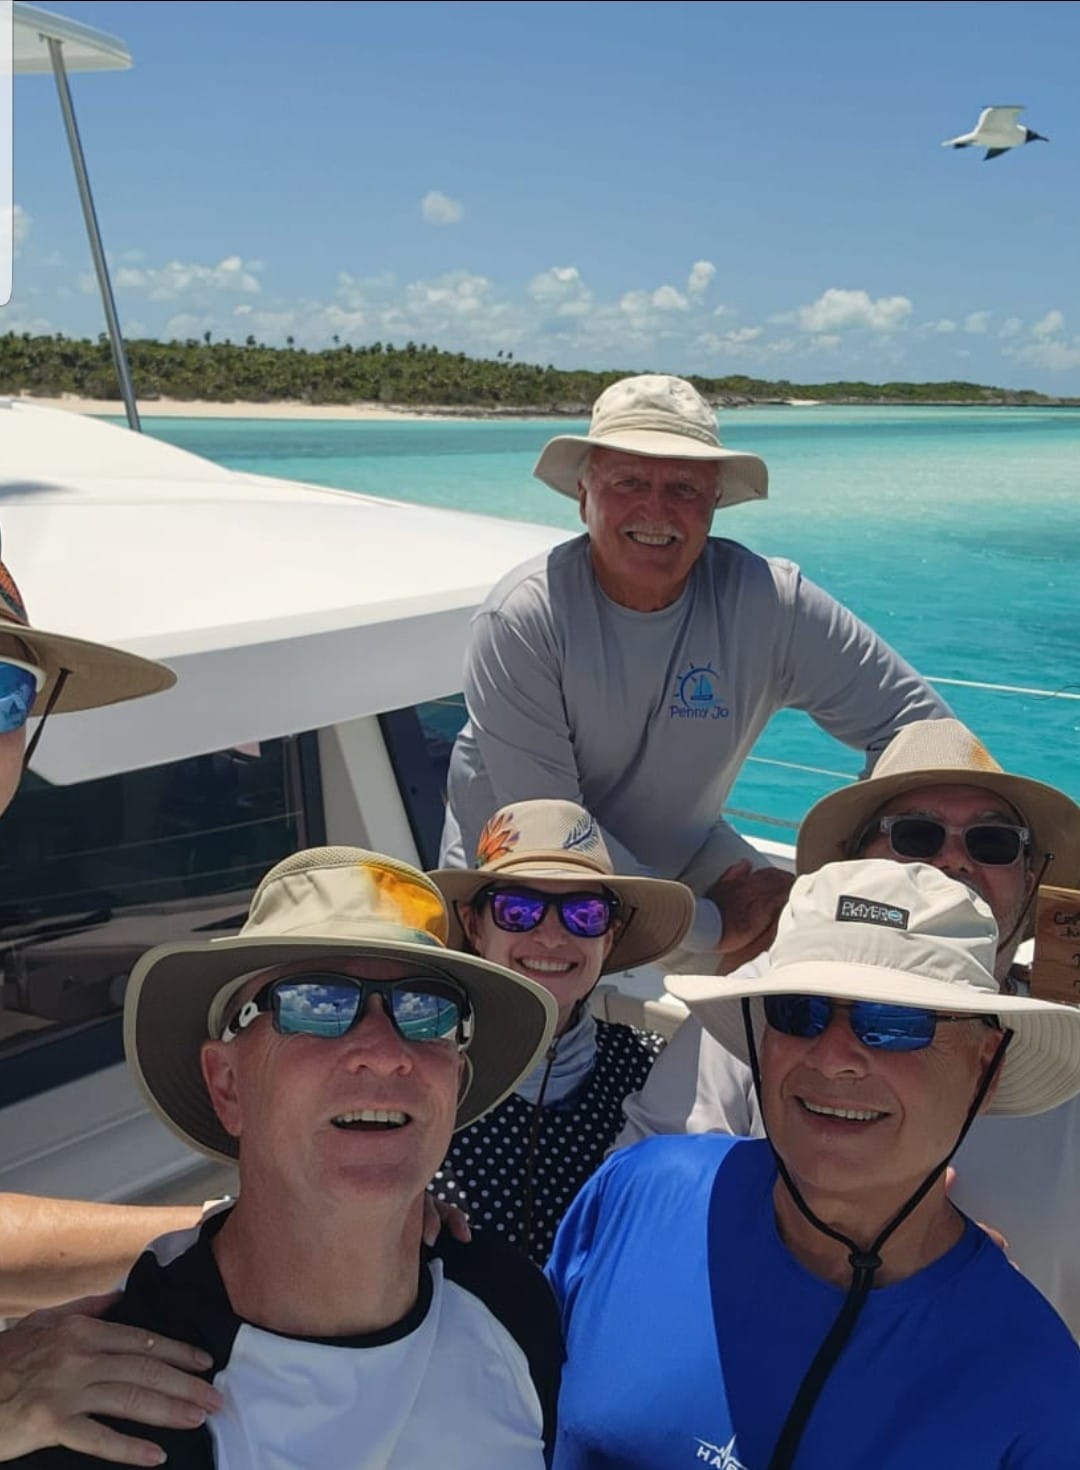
(174, 408)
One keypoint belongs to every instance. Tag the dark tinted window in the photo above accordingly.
(92, 875)
(419, 740)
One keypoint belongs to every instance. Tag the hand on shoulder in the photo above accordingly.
(58, 1367)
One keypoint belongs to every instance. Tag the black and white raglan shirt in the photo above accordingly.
(469, 1377)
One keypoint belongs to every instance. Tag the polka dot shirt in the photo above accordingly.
(505, 1186)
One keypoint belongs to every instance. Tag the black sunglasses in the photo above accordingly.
(321, 1003)
(519, 909)
(991, 844)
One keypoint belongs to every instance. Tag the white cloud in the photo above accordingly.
(170, 282)
(666, 298)
(188, 324)
(977, 322)
(37, 326)
(701, 276)
(20, 226)
(561, 290)
(639, 320)
(14, 228)
(439, 209)
(1052, 353)
(731, 343)
(1049, 326)
(456, 294)
(837, 309)
(1011, 327)
(944, 327)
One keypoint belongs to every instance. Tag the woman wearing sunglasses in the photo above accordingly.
(543, 901)
(50, 673)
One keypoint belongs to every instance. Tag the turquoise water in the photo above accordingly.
(954, 532)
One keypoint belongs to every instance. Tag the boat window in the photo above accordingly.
(94, 874)
(418, 741)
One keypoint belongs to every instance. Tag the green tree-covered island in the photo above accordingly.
(415, 376)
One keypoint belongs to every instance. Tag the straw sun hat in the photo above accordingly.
(560, 842)
(660, 417)
(908, 935)
(325, 904)
(942, 753)
(96, 674)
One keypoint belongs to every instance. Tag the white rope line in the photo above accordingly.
(1006, 688)
(764, 760)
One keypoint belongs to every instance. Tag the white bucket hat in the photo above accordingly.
(323, 904)
(908, 935)
(559, 841)
(937, 753)
(660, 417)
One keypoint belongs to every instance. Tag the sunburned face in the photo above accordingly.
(563, 963)
(1004, 887)
(367, 1110)
(858, 1123)
(648, 520)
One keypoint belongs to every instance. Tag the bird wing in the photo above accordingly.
(995, 153)
(998, 119)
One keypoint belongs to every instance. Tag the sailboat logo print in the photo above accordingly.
(696, 695)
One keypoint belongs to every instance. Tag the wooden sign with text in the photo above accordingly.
(1055, 970)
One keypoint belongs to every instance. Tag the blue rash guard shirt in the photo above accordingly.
(689, 1327)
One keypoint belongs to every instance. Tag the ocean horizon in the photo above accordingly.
(954, 532)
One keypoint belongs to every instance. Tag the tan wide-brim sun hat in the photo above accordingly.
(559, 841)
(324, 904)
(662, 418)
(905, 934)
(96, 674)
(942, 753)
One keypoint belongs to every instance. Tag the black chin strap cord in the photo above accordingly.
(530, 1154)
(864, 1263)
(54, 694)
(1048, 858)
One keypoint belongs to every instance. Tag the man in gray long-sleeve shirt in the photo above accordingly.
(632, 670)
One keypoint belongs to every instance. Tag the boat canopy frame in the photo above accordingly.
(40, 42)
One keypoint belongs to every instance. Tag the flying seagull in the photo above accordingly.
(997, 131)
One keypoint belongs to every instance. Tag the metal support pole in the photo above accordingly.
(123, 371)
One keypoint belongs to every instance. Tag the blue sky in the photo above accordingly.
(681, 187)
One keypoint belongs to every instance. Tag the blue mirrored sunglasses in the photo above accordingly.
(318, 1003)
(19, 687)
(517, 909)
(885, 1027)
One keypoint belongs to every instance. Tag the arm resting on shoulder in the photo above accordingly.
(61, 1369)
(52, 1250)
